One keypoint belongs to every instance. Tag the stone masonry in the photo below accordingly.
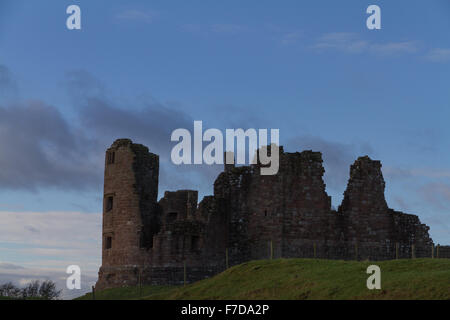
(249, 217)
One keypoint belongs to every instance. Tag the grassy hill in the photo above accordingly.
(307, 279)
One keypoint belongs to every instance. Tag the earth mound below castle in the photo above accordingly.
(300, 279)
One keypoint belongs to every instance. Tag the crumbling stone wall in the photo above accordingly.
(250, 216)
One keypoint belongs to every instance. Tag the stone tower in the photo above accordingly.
(130, 210)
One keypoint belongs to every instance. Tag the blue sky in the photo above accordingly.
(139, 69)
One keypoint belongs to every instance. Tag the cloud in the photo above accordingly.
(137, 15)
(230, 29)
(391, 48)
(342, 41)
(193, 28)
(424, 191)
(291, 37)
(40, 148)
(436, 194)
(351, 43)
(150, 123)
(65, 232)
(108, 118)
(406, 173)
(224, 29)
(439, 55)
(9, 266)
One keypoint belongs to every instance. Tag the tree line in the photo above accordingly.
(45, 290)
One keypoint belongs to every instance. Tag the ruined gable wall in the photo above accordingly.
(372, 230)
(364, 207)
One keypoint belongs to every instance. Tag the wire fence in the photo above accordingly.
(191, 271)
(347, 251)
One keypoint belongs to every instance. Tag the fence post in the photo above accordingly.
(271, 250)
(396, 250)
(93, 293)
(432, 251)
(185, 272)
(413, 253)
(437, 251)
(140, 282)
(226, 258)
(315, 251)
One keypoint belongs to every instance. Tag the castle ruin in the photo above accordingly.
(250, 216)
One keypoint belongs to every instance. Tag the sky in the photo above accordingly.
(140, 69)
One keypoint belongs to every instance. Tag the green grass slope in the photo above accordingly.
(307, 279)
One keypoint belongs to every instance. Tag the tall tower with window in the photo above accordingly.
(130, 210)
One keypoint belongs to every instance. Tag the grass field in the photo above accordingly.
(306, 279)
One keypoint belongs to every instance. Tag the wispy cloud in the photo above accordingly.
(352, 43)
(432, 173)
(439, 55)
(342, 41)
(9, 266)
(46, 244)
(216, 29)
(291, 37)
(69, 234)
(436, 194)
(394, 47)
(225, 28)
(137, 15)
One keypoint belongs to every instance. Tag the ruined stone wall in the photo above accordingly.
(444, 252)
(364, 207)
(146, 173)
(367, 224)
(230, 192)
(274, 215)
(250, 216)
(179, 205)
(181, 239)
